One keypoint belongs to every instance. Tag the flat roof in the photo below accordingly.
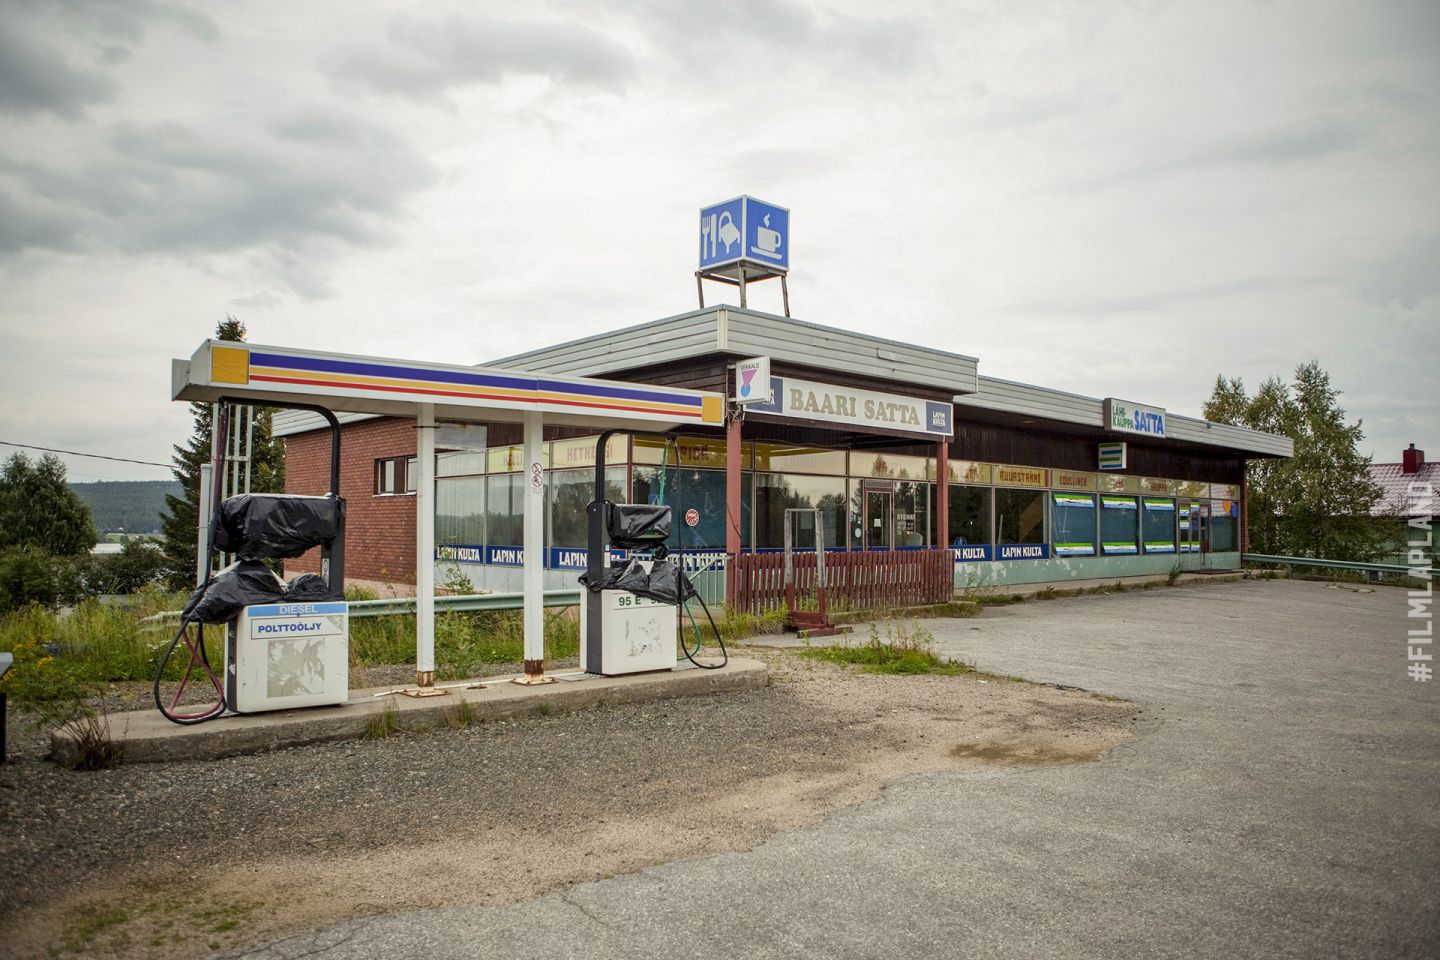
(742, 332)
(745, 333)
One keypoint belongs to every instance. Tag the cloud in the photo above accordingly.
(1160, 300)
(35, 78)
(786, 33)
(1286, 143)
(129, 20)
(314, 179)
(422, 58)
(1406, 278)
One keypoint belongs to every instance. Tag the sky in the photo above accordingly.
(1115, 199)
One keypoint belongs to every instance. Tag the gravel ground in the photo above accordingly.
(186, 858)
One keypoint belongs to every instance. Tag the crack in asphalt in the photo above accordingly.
(278, 949)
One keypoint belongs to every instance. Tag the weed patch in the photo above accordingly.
(459, 715)
(383, 723)
(904, 650)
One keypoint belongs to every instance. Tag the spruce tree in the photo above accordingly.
(267, 475)
(39, 511)
(1318, 502)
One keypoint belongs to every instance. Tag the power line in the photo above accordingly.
(95, 456)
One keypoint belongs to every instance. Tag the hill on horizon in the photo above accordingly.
(134, 506)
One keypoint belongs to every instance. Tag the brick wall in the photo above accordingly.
(380, 531)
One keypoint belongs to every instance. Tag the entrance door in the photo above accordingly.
(879, 505)
(1188, 515)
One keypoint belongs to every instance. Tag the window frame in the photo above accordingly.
(406, 466)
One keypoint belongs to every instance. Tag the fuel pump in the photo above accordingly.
(630, 612)
(286, 644)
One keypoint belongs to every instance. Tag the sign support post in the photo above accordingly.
(534, 551)
(425, 551)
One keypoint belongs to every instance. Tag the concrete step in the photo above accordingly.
(150, 738)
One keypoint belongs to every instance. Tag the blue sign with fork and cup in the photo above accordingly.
(744, 230)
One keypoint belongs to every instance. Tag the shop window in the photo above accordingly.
(775, 493)
(459, 463)
(1119, 525)
(700, 452)
(1019, 516)
(395, 475)
(1224, 525)
(570, 493)
(506, 459)
(790, 459)
(1158, 525)
(504, 510)
(460, 511)
(1073, 520)
(580, 452)
(700, 490)
(912, 513)
(864, 463)
(461, 449)
(969, 516)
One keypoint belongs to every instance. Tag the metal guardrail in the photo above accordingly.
(466, 603)
(1396, 568)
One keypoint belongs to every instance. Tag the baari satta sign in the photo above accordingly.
(829, 403)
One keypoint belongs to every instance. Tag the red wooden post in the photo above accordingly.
(1244, 508)
(733, 512)
(942, 493)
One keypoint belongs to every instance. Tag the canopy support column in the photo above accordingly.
(425, 546)
(942, 494)
(534, 551)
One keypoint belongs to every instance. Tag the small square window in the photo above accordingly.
(395, 475)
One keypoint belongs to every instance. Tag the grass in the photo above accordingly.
(734, 625)
(102, 643)
(81, 933)
(61, 656)
(459, 715)
(383, 723)
(465, 643)
(905, 650)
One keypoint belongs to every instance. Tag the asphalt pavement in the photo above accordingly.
(1282, 799)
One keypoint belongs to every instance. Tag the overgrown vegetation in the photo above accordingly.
(32, 575)
(905, 649)
(465, 643)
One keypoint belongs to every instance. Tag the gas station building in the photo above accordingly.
(899, 447)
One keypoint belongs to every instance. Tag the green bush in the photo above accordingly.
(32, 575)
(138, 564)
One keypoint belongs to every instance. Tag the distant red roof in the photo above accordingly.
(1397, 500)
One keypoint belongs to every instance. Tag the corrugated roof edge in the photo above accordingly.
(689, 314)
(1089, 411)
(287, 423)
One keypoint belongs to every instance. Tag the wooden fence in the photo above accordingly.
(855, 580)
